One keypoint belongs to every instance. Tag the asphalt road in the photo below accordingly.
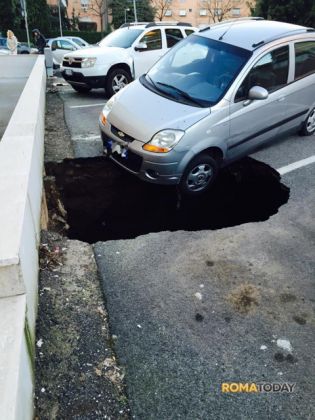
(193, 310)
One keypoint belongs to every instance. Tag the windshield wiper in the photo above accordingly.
(153, 83)
(181, 93)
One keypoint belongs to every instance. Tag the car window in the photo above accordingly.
(65, 45)
(173, 36)
(304, 58)
(184, 56)
(152, 39)
(121, 38)
(270, 72)
(189, 31)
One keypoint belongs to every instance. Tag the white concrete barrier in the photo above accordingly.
(21, 169)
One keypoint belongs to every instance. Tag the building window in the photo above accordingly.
(203, 12)
(85, 4)
(182, 12)
(217, 12)
(168, 13)
(190, 10)
(236, 11)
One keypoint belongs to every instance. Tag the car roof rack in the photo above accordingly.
(232, 21)
(126, 25)
(279, 36)
(149, 25)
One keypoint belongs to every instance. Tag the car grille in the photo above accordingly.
(72, 62)
(120, 134)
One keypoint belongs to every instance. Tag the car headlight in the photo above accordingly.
(88, 62)
(106, 110)
(164, 141)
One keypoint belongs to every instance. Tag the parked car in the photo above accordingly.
(22, 48)
(213, 98)
(4, 52)
(81, 42)
(121, 56)
(59, 47)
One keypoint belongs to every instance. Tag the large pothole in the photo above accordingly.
(104, 202)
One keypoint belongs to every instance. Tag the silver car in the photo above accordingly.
(213, 98)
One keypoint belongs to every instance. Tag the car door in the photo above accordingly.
(301, 89)
(144, 58)
(254, 122)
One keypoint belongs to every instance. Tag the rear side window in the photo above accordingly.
(270, 72)
(304, 59)
(173, 36)
(153, 40)
(189, 31)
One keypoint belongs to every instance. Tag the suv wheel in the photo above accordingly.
(308, 127)
(116, 80)
(199, 175)
(81, 89)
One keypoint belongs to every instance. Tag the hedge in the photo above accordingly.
(91, 37)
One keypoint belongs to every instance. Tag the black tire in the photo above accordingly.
(81, 89)
(308, 127)
(199, 175)
(116, 80)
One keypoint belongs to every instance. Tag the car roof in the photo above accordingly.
(145, 25)
(250, 34)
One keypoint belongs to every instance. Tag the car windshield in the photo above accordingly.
(122, 38)
(197, 70)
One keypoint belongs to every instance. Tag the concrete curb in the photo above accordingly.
(21, 167)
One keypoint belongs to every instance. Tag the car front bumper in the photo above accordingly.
(147, 166)
(76, 77)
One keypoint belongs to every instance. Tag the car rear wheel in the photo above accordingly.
(308, 127)
(199, 175)
(81, 89)
(116, 80)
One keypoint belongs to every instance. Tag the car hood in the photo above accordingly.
(97, 52)
(141, 113)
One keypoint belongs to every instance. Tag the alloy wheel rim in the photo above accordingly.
(199, 177)
(310, 123)
(119, 82)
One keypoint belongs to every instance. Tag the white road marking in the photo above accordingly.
(85, 138)
(87, 106)
(296, 165)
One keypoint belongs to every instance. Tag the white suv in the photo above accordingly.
(122, 56)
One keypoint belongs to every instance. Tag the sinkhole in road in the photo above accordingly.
(104, 202)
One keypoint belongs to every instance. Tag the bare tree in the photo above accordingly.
(218, 9)
(160, 7)
(99, 8)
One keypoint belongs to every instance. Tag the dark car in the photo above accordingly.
(21, 48)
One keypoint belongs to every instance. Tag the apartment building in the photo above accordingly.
(202, 12)
(197, 12)
(90, 14)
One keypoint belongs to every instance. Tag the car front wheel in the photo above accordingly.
(116, 80)
(199, 175)
(308, 127)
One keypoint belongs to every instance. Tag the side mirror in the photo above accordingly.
(256, 93)
(141, 46)
(53, 47)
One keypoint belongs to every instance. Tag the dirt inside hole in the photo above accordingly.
(104, 202)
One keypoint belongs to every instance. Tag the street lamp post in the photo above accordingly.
(59, 11)
(126, 10)
(135, 10)
(26, 24)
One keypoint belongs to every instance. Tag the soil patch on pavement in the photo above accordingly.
(77, 374)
